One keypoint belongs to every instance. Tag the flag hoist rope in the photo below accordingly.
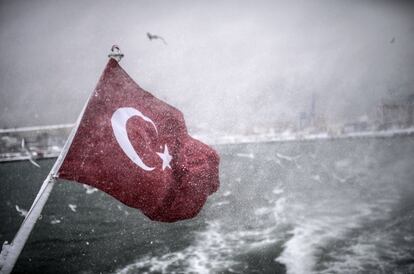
(10, 252)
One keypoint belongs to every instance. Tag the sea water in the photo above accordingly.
(339, 206)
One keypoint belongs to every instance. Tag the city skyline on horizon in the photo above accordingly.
(224, 64)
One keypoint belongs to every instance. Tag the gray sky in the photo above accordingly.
(227, 63)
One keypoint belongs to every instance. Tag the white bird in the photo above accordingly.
(72, 207)
(22, 212)
(29, 154)
(55, 221)
(290, 158)
(90, 189)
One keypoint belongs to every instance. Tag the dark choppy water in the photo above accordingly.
(344, 206)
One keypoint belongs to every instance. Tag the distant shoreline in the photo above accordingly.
(238, 139)
(300, 137)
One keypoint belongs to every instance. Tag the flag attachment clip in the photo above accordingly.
(116, 53)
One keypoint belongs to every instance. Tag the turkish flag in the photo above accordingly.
(136, 148)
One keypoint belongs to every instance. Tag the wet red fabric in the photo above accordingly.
(171, 189)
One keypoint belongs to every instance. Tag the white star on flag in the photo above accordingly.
(166, 158)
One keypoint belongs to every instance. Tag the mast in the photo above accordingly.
(10, 252)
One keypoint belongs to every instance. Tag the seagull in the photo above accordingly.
(29, 154)
(72, 207)
(392, 40)
(289, 158)
(154, 36)
(22, 212)
(90, 189)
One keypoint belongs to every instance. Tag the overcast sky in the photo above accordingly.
(227, 63)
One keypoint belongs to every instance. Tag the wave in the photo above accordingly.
(214, 249)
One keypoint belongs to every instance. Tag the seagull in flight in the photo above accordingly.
(154, 36)
(29, 154)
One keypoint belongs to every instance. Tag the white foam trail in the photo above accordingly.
(329, 214)
(212, 251)
(369, 249)
(300, 251)
(313, 232)
(206, 255)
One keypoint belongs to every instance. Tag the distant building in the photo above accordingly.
(303, 120)
(320, 123)
(360, 126)
(310, 120)
(396, 113)
(42, 141)
(313, 109)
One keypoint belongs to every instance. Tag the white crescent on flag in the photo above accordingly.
(119, 120)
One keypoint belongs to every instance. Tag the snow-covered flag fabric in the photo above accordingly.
(136, 148)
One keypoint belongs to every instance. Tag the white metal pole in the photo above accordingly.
(10, 252)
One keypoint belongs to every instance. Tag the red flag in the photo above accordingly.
(136, 148)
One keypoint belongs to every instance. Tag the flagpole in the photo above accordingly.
(10, 252)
